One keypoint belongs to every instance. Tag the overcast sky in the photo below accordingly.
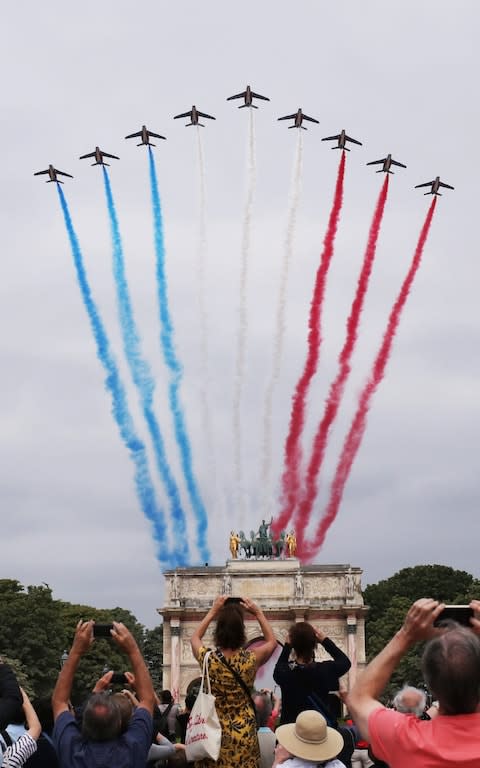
(402, 77)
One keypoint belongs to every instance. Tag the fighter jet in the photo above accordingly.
(145, 136)
(299, 117)
(435, 184)
(53, 173)
(99, 155)
(248, 95)
(341, 140)
(386, 162)
(194, 114)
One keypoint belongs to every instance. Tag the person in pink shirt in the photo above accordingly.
(451, 668)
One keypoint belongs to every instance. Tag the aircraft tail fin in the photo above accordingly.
(242, 106)
(303, 128)
(203, 126)
(291, 126)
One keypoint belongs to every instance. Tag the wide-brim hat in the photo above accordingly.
(309, 737)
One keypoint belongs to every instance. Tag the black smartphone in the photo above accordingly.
(459, 613)
(102, 630)
(235, 600)
(118, 678)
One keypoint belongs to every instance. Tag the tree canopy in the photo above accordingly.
(35, 630)
(389, 601)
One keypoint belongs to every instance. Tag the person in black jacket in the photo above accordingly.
(304, 682)
(11, 699)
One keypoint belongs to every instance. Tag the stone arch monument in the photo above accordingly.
(326, 595)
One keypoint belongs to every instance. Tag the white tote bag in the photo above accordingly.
(204, 733)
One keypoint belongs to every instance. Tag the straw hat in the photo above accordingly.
(309, 737)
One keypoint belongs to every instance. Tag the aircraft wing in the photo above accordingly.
(258, 96)
(84, 157)
(312, 119)
(427, 184)
(62, 173)
(442, 184)
(349, 138)
(184, 114)
(204, 114)
(377, 162)
(105, 154)
(134, 135)
(289, 117)
(395, 162)
(39, 173)
(331, 138)
(156, 135)
(237, 96)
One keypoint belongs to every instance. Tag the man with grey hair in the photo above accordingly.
(410, 701)
(451, 669)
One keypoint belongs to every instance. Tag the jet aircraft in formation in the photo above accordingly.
(53, 173)
(298, 117)
(99, 155)
(247, 96)
(145, 134)
(435, 185)
(386, 163)
(194, 114)
(341, 140)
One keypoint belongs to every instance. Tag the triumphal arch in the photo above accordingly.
(328, 596)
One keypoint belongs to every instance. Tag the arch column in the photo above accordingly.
(175, 657)
(352, 647)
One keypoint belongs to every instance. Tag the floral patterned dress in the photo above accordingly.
(239, 729)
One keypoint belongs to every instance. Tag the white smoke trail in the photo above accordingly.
(202, 257)
(243, 320)
(295, 189)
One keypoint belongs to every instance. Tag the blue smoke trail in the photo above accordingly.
(142, 377)
(166, 338)
(120, 412)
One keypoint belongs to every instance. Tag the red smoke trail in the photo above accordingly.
(290, 478)
(338, 386)
(357, 429)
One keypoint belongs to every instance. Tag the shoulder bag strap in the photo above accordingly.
(238, 678)
(164, 716)
(6, 737)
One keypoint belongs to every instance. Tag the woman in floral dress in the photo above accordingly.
(235, 711)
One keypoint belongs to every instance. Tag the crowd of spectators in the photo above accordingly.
(136, 727)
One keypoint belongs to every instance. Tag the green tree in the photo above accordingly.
(389, 601)
(21, 674)
(438, 581)
(30, 631)
(103, 654)
(153, 653)
(35, 630)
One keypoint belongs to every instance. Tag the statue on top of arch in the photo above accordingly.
(262, 545)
